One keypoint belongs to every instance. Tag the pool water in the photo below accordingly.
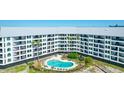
(60, 63)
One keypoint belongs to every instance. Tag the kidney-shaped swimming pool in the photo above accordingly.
(60, 64)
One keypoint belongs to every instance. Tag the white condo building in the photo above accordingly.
(101, 42)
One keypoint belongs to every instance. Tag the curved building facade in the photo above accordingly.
(101, 42)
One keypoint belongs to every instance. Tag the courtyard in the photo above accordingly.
(80, 64)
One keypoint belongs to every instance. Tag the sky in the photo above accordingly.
(62, 23)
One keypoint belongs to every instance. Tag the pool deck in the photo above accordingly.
(58, 57)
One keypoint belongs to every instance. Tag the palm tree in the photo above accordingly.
(69, 38)
(37, 44)
(78, 37)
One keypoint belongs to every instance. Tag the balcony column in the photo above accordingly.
(110, 46)
(88, 44)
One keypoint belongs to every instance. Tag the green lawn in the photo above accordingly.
(109, 65)
(17, 68)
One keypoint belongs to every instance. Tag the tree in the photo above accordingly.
(73, 55)
(37, 65)
(78, 37)
(37, 44)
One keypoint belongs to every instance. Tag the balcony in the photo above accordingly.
(94, 53)
(50, 39)
(101, 55)
(90, 36)
(84, 36)
(23, 57)
(114, 58)
(16, 53)
(1, 61)
(16, 58)
(95, 45)
(86, 51)
(90, 44)
(51, 35)
(86, 43)
(16, 48)
(100, 50)
(121, 49)
(1, 56)
(1, 51)
(95, 49)
(22, 47)
(121, 54)
(0, 39)
(107, 56)
(99, 41)
(101, 46)
(114, 48)
(99, 37)
(114, 53)
(23, 52)
(0, 44)
(121, 60)
(19, 43)
(118, 38)
(118, 43)
(37, 36)
(86, 47)
(86, 40)
(19, 38)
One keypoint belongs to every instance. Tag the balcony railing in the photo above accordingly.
(121, 54)
(19, 38)
(121, 49)
(114, 48)
(102, 51)
(101, 55)
(19, 43)
(114, 58)
(99, 41)
(101, 46)
(114, 53)
(121, 60)
(99, 37)
(16, 54)
(118, 38)
(118, 43)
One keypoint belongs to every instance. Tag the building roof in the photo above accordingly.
(24, 31)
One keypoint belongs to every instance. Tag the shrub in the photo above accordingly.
(37, 65)
(73, 55)
(88, 61)
(81, 58)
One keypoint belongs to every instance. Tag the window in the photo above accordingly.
(28, 41)
(1, 56)
(29, 55)
(8, 44)
(8, 49)
(28, 46)
(1, 61)
(9, 60)
(8, 54)
(8, 38)
(28, 51)
(0, 39)
(44, 35)
(28, 36)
